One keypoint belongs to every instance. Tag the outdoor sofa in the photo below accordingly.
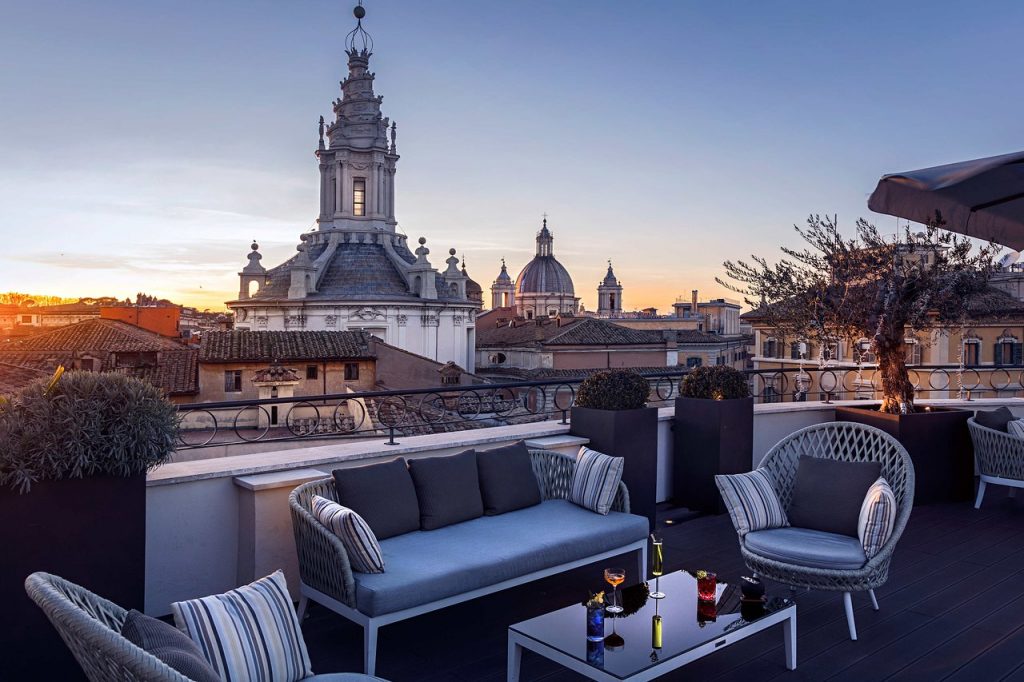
(432, 569)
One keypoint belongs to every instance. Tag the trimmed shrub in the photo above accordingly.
(84, 424)
(616, 389)
(720, 382)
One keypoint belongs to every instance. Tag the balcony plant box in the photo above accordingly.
(713, 433)
(73, 459)
(938, 442)
(611, 410)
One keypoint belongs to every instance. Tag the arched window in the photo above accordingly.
(1007, 349)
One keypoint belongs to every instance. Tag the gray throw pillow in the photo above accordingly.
(448, 489)
(828, 494)
(383, 494)
(994, 419)
(507, 481)
(169, 644)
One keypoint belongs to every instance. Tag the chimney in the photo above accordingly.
(693, 298)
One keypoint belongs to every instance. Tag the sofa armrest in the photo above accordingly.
(554, 476)
(323, 561)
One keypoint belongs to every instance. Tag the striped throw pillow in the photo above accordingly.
(752, 501)
(1015, 427)
(360, 543)
(877, 517)
(250, 634)
(595, 480)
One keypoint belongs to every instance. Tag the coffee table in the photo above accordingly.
(689, 630)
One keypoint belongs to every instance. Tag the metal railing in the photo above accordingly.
(454, 408)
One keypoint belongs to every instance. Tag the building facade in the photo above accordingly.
(355, 270)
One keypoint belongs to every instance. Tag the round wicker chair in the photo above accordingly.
(851, 442)
(91, 627)
(1000, 458)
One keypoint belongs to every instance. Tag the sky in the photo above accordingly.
(143, 145)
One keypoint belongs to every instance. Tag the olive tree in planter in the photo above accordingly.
(882, 289)
(713, 434)
(74, 453)
(611, 410)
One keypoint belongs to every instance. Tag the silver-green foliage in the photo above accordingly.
(87, 424)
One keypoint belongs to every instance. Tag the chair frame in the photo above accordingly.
(1000, 458)
(326, 573)
(851, 442)
(91, 627)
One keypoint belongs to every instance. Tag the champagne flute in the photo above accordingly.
(614, 577)
(658, 567)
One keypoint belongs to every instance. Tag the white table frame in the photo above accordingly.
(517, 642)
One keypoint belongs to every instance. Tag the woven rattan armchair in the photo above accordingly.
(326, 573)
(849, 442)
(91, 627)
(1000, 458)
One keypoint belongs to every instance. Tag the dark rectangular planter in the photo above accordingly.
(710, 437)
(939, 445)
(91, 531)
(632, 435)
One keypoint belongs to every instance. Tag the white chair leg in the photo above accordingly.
(303, 604)
(848, 604)
(874, 600)
(370, 648)
(981, 494)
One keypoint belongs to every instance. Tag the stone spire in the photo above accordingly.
(357, 167)
(609, 295)
(503, 289)
(253, 272)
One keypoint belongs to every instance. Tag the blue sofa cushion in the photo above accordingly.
(425, 566)
(807, 547)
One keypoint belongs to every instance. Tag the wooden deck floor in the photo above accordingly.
(953, 609)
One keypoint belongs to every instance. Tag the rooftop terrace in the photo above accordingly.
(953, 609)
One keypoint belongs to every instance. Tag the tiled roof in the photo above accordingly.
(242, 346)
(175, 370)
(95, 336)
(579, 331)
(13, 378)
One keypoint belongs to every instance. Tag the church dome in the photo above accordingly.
(544, 275)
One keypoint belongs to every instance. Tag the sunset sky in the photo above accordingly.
(145, 144)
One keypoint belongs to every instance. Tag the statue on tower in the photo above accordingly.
(321, 132)
(394, 145)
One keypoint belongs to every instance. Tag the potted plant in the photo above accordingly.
(713, 434)
(74, 453)
(611, 410)
(882, 289)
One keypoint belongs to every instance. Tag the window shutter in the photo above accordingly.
(1017, 358)
(997, 354)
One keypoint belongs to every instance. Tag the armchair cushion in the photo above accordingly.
(752, 501)
(448, 489)
(828, 494)
(249, 633)
(994, 419)
(595, 480)
(360, 543)
(383, 494)
(807, 548)
(507, 481)
(1015, 427)
(877, 517)
(169, 644)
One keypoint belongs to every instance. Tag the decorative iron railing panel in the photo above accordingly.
(455, 408)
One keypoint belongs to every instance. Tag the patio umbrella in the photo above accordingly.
(983, 198)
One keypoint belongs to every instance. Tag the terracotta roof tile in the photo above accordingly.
(241, 346)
